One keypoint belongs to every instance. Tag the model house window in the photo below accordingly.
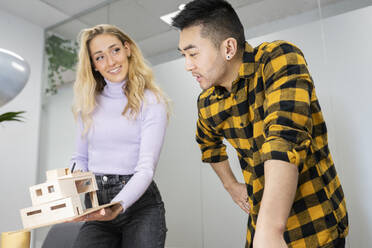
(51, 189)
(58, 206)
(39, 192)
(34, 212)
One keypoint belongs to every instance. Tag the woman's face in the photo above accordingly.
(110, 57)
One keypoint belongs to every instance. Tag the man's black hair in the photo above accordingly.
(218, 19)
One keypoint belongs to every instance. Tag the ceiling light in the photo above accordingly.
(168, 17)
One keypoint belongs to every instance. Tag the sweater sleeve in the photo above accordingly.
(80, 156)
(153, 126)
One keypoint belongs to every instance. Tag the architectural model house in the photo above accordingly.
(58, 199)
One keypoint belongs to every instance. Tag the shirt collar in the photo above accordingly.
(248, 66)
(246, 70)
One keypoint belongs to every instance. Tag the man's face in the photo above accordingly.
(202, 58)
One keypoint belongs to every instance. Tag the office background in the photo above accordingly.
(335, 37)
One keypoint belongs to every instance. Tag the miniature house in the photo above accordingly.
(59, 198)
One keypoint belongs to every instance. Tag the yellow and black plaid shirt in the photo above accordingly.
(272, 112)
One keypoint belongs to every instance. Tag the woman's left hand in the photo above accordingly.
(104, 214)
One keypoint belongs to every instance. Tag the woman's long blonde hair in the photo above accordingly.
(89, 83)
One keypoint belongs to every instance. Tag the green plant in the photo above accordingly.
(62, 56)
(12, 116)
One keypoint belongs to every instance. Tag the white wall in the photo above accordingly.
(57, 140)
(348, 64)
(19, 141)
(199, 211)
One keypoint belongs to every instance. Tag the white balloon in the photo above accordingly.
(14, 73)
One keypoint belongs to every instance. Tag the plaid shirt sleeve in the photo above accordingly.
(287, 112)
(210, 143)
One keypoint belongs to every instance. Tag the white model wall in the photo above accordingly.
(19, 141)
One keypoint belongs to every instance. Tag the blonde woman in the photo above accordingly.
(122, 117)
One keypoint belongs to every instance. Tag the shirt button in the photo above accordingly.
(104, 178)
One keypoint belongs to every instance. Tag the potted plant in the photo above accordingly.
(62, 55)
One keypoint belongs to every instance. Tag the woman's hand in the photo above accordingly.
(104, 214)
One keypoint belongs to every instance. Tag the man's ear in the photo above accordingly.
(229, 48)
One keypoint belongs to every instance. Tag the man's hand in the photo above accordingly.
(105, 214)
(238, 192)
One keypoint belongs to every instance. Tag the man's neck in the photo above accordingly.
(232, 70)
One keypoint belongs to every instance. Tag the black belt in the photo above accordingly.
(112, 179)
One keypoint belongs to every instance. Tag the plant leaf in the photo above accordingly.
(12, 116)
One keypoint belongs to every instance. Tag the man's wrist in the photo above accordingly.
(229, 185)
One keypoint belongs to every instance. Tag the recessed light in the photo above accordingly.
(168, 17)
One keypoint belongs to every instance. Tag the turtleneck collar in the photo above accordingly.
(114, 90)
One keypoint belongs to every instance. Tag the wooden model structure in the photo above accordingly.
(58, 199)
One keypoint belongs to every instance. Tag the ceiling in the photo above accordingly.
(141, 18)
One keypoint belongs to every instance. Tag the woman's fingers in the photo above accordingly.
(104, 214)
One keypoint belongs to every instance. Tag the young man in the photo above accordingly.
(263, 101)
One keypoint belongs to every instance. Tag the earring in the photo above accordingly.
(228, 57)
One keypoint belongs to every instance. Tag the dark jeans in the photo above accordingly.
(141, 226)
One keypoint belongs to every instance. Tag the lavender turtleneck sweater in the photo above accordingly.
(122, 146)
